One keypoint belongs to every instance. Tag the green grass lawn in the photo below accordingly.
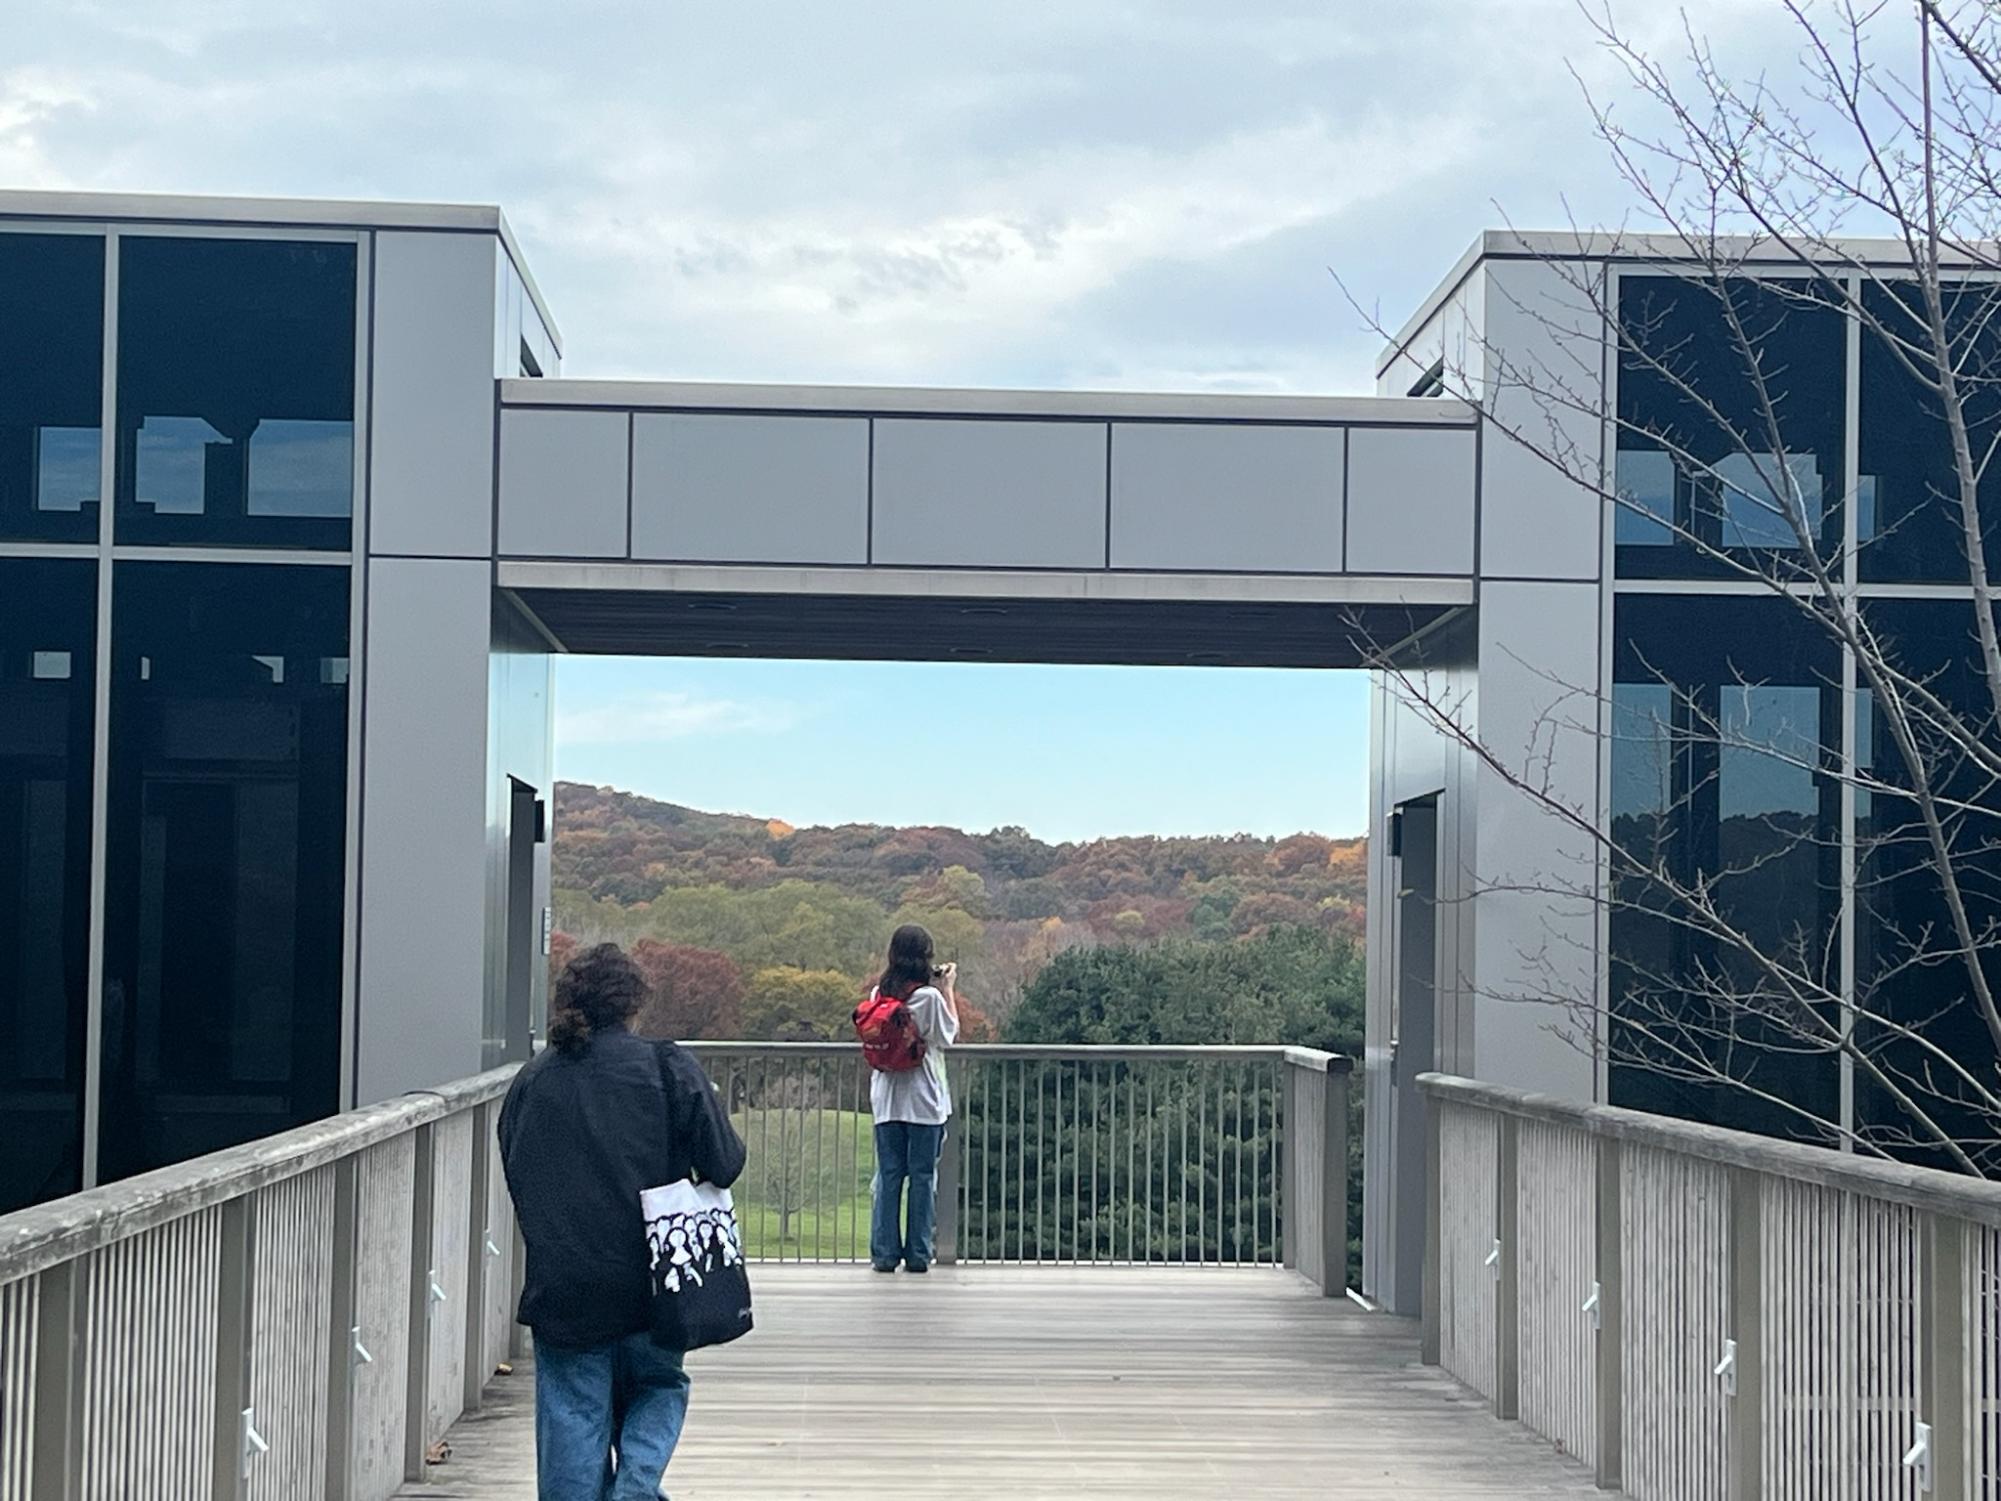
(804, 1193)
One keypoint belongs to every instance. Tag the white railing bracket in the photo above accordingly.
(1726, 1368)
(1919, 1457)
(1591, 1307)
(254, 1443)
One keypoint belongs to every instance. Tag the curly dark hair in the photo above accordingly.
(599, 989)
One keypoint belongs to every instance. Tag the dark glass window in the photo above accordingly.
(1730, 424)
(48, 613)
(1918, 1018)
(235, 392)
(1909, 521)
(1725, 723)
(51, 385)
(225, 866)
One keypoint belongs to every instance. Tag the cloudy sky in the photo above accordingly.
(1147, 194)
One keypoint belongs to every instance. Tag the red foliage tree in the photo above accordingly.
(697, 993)
(974, 1024)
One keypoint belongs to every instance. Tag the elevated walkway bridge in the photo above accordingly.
(1142, 1292)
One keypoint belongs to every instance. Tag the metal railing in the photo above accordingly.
(294, 1320)
(1699, 1312)
(301, 1318)
(1073, 1155)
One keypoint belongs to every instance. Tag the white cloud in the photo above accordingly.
(648, 718)
(1134, 193)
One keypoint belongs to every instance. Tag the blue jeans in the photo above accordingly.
(607, 1419)
(905, 1152)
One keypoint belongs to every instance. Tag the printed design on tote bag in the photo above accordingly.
(687, 1246)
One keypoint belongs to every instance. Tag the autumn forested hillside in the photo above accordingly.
(755, 928)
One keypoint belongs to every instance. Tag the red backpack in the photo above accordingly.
(888, 1032)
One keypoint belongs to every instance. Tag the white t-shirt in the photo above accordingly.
(920, 1095)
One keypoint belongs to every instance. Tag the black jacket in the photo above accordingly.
(580, 1135)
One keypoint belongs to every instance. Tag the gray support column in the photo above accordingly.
(1288, 1174)
(951, 1172)
(233, 1333)
(1611, 1320)
(1507, 1273)
(517, 1338)
(478, 1365)
(1746, 1464)
(342, 1335)
(1334, 1183)
(1431, 1341)
(1946, 1319)
(416, 1401)
(56, 1472)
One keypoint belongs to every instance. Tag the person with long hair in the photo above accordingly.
(911, 1106)
(593, 1120)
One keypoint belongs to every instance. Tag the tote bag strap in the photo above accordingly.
(674, 1162)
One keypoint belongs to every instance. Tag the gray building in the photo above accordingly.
(296, 508)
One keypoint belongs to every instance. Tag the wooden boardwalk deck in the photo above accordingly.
(1027, 1382)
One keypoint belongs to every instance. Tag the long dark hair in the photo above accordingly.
(910, 963)
(598, 990)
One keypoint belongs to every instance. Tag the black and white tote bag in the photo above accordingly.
(701, 1292)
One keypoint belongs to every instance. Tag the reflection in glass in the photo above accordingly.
(173, 463)
(1685, 386)
(1912, 530)
(1722, 714)
(1765, 501)
(66, 469)
(226, 859)
(48, 611)
(1646, 487)
(1910, 970)
(1642, 750)
(236, 392)
(51, 386)
(300, 468)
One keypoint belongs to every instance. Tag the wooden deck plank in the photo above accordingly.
(1024, 1382)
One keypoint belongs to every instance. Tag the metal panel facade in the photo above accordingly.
(990, 494)
(1249, 498)
(722, 488)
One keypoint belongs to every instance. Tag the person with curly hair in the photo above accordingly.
(595, 1118)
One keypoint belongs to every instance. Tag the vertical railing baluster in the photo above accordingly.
(1145, 1155)
(1745, 1303)
(1021, 1164)
(1943, 1331)
(1181, 1181)
(1237, 1189)
(1054, 1172)
(1131, 1206)
(61, 1352)
(1203, 1158)
(1077, 1163)
(416, 1396)
(1507, 1298)
(1041, 1155)
(819, 1098)
(473, 1373)
(344, 1248)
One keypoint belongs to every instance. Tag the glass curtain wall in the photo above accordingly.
(48, 622)
(51, 386)
(1732, 723)
(224, 869)
(225, 815)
